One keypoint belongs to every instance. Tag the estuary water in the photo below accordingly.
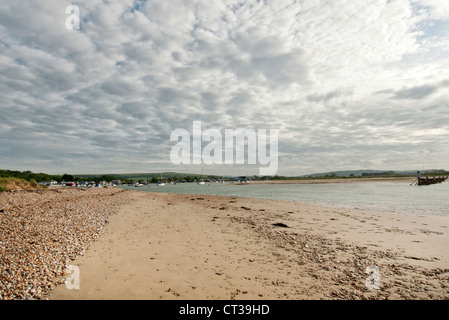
(387, 196)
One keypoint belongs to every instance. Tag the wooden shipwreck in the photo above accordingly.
(425, 181)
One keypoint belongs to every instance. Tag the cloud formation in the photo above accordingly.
(349, 84)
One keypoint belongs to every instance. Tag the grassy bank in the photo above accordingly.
(11, 184)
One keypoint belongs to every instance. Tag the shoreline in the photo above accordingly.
(200, 247)
(336, 180)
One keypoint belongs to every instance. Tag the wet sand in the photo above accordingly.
(190, 247)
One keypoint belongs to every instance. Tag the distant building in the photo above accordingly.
(49, 183)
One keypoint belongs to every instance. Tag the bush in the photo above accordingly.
(8, 184)
(34, 184)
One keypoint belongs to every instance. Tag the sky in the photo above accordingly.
(348, 84)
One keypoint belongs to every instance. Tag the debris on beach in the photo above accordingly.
(340, 267)
(281, 225)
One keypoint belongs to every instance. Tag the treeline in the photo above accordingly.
(44, 177)
(435, 173)
(28, 175)
(428, 173)
(154, 178)
(380, 174)
(173, 178)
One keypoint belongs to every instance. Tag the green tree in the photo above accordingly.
(67, 177)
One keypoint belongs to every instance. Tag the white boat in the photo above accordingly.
(201, 180)
(137, 185)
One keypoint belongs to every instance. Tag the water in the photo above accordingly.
(396, 196)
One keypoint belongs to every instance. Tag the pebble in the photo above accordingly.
(42, 231)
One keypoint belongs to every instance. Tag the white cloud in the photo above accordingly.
(437, 9)
(344, 81)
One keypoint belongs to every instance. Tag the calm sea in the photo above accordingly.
(397, 197)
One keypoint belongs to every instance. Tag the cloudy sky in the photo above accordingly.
(350, 84)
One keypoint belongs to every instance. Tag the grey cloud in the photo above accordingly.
(109, 95)
(266, 56)
(167, 96)
(386, 91)
(135, 109)
(327, 96)
(415, 93)
(210, 100)
(430, 108)
(277, 70)
(120, 87)
(239, 99)
(283, 68)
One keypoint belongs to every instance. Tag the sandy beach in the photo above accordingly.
(175, 246)
(141, 245)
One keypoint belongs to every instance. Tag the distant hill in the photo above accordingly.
(346, 173)
(360, 173)
(43, 177)
(144, 176)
